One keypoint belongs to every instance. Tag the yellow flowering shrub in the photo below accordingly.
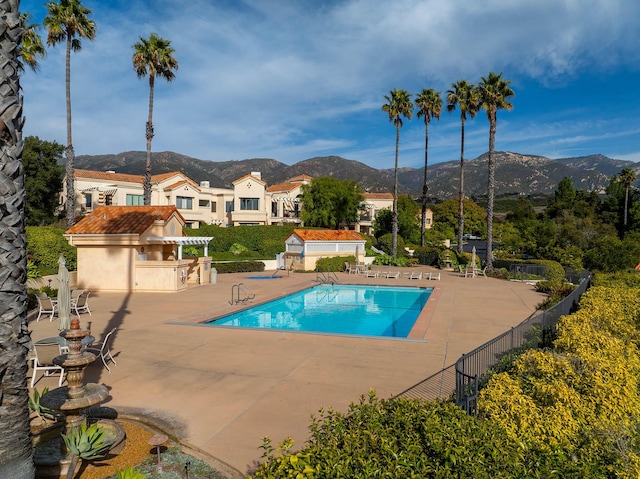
(582, 398)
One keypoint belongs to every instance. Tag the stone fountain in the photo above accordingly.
(72, 400)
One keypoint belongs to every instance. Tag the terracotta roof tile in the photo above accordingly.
(283, 187)
(328, 235)
(180, 183)
(300, 178)
(377, 196)
(122, 219)
(255, 178)
(125, 177)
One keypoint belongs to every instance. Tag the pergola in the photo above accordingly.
(182, 241)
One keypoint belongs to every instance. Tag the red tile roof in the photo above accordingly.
(328, 235)
(122, 219)
(180, 183)
(300, 178)
(245, 177)
(106, 175)
(377, 196)
(283, 187)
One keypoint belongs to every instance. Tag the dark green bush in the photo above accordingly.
(239, 266)
(385, 243)
(335, 263)
(427, 255)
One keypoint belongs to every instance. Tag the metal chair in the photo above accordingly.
(43, 361)
(46, 305)
(101, 348)
(81, 304)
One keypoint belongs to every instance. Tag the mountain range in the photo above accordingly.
(514, 173)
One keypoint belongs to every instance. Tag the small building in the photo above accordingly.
(136, 248)
(303, 248)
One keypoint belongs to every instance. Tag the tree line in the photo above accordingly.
(492, 93)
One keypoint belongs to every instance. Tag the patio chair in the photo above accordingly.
(46, 306)
(393, 274)
(75, 293)
(415, 275)
(481, 272)
(43, 361)
(347, 268)
(102, 349)
(81, 304)
(371, 273)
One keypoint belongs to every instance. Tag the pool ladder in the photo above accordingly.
(328, 277)
(241, 293)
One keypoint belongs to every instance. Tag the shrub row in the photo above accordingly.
(238, 267)
(553, 270)
(335, 263)
(266, 240)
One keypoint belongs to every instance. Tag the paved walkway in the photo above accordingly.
(228, 388)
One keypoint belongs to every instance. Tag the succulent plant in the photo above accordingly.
(85, 443)
(130, 473)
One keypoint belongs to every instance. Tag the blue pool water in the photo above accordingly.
(338, 309)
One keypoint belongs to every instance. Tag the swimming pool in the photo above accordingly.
(380, 311)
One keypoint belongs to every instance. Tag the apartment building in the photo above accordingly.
(250, 202)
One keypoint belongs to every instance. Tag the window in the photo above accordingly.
(214, 207)
(184, 203)
(249, 204)
(108, 200)
(88, 200)
(229, 206)
(135, 200)
(203, 203)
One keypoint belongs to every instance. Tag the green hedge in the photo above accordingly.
(44, 245)
(266, 240)
(335, 263)
(238, 267)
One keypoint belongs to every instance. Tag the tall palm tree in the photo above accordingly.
(494, 94)
(627, 177)
(153, 57)
(32, 47)
(398, 105)
(68, 21)
(465, 95)
(16, 452)
(429, 104)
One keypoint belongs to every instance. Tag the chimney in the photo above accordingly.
(257, 174)
(204, 184)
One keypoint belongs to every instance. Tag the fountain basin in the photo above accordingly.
(59, 400)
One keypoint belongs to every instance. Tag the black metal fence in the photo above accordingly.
(462, 380)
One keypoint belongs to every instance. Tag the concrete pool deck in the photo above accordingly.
(228, 388)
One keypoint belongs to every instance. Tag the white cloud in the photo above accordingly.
(292, 80)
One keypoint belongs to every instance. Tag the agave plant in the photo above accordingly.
(40, 411)
(85, 443)
(130, 473)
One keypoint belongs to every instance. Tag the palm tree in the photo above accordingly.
(153, 57)
(465, 95)
(31, 48)
(16, 452)
(398, 105)
(429, 104)
(626, 178)
(494, 94)
(68, 21)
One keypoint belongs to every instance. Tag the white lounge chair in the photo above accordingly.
(101, 348)
(81, 304)
(415, 275)
(43, 361)
(371, 273)
(432, 275)
(481, 272)
(46, 306)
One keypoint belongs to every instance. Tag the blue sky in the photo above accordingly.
(295, 79)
